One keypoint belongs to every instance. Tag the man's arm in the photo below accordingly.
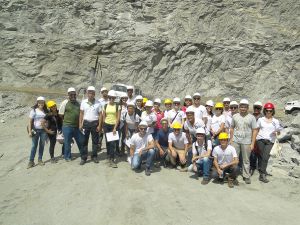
(81, 119)
(132, 147)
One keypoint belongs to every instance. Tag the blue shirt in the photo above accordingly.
(162, 137)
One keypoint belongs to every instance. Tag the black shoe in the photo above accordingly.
(95, 160)
(247, 180)
(114, 163)
(251, 172)
(263, 178)
(147, 172)
(82, 162)
(205, 181)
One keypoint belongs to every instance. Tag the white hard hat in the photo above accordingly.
(103, 89)
(190, 109)
(210, 103)
(149, 103)
(188, 97)
(176, 99)
(233, 103)
(124, 95)
(157, 100)
(71, 89)
(139, 97)
(129, 87)
(91, 88)
(200, 130)
(244, 102)
(112, 93)
(258, 103)
(130, 104)
(226, 100)
(143, 123)
(196, 94)
(41, 98)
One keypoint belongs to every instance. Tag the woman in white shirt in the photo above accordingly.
(217, 123)
(36, 130)
(268, 127)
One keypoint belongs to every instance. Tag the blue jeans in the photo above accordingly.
(204, 164)
(69, 133)
(137, 159)
(38, 139)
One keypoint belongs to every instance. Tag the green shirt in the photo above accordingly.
(71, 114)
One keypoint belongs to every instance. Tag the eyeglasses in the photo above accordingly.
(176, 103)
(197, 98)
(143, 128)
(257, 107)
(219, 109)
(226, 103)
(233, 107)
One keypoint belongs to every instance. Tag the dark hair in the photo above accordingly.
(273, 113)
(44, 108)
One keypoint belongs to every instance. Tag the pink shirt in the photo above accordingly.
(159, 116)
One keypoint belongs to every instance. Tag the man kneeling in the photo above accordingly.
(142, 147)
(225, 161)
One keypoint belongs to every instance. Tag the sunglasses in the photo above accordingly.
(233, 107)
(257, 107)
(176, 103)
(219, 109)
(143, 128)
(226, 103)
(197, 98)
(269, 110)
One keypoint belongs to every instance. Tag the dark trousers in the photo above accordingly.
(253, 160)
(265, 147)
(90, 128)
(52, 140)
(232, 172)
(112, 145)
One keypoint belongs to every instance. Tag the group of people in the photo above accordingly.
(220, 140)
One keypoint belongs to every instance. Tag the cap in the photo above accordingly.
(244, 102)
(210, 103)
(103, 89)
(71, 89)
(157, 100)
(258, 103)
(226, 100)
(139, 97)
(112, 93)
(143, 123)
(188, 97)
(233, 103)
(41, 98)
(196, 94)
(176, 99)
(149, 103)
(91, 88)
(200, 130)
(190, 109)
(129, 87)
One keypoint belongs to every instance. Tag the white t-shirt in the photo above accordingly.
(192, 128)
(216, 122)
(131, 100)
(38, 116)
(266, 130)
(200, 150)
(132, 120)
(90, 110)
(224, 156)
(178, 141)
(150, 119)
(179, 116)
(140, 142)
(208, 124)
(122, 116)
(103, 102)
(200, 112)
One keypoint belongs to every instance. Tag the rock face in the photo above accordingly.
(233, 48)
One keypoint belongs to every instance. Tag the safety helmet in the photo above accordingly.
(269, 105)
(168, 101)
(223, 136)
(50, 104)
(177, 125)
(219, 105)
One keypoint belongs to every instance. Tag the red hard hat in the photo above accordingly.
(269, 105)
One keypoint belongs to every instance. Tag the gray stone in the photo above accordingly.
(296, 122)
(287, 133)
(295, 142)
(295, 172)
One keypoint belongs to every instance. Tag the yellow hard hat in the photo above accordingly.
(223, 136)
(50, 104)
(168, 101)
(145, 100)
(177, 125)
(219, 105)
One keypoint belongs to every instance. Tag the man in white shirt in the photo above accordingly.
(90, 122)
(225, 161)
(142, 148)
(200, 110)
(131, 98)
(178, 146)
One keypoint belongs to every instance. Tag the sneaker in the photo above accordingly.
(41, 163)
(183, 169)
(230, 183)
(52, 160)
(30, 164)
(114, 163)
(147, 172)
(68, 160)
(263, 178)
(247, 180)
(95, 160)
(82, 162)
(205, 181)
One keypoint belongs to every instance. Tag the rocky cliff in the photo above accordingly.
(168, 47)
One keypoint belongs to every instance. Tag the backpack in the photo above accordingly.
(117, 106)
(205, 145)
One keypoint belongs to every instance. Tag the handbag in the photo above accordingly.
(276, 150)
